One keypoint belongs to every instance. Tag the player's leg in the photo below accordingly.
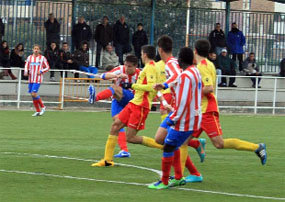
(199, 145)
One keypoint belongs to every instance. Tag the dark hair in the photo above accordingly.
(132, 59)
(251, 53)
(202, 47)
(185, 57)
(3, 43)
(106, 17)
(165, 43)
(139, 24)
(234, 23)
(64, 43)
(20, 44)
(83, 43)
(218, 23)
(149, 51)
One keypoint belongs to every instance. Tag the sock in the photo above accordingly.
(183, 156)
(107, 93)
(233, 143)
(110, 147)
(177, 165)
(149, 142)
(36, 104)
(166, 167)
(194, 143)
(40, 102)
(163, 116)
(191, 167)
(122, 142)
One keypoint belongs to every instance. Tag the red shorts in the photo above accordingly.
(210, 124)
(169, 99)
(134, 116)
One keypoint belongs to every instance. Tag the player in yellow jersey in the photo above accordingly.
(135, 113)
(210, 119)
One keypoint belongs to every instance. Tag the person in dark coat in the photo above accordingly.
(236, 41)
(16, 58)
(5, 59)
(139, 40)
(121, 36)
(52, 27)
(66, 58)
(103, 37)
(53, 58)
(282, 68)
(81, 32)
(217, 39)
(2, 30)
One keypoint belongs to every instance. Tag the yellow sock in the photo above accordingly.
(183, 156)
(233, 143)
(110, 147)
(163, 116)
(149, 142)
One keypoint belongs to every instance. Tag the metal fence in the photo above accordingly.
(265, 32)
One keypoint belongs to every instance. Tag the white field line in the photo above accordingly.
(119, 182)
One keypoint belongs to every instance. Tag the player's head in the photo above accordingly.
(148, 53)
(36, 49)
(202, 48)
(164, 45)
(185, 57)
(131, 63)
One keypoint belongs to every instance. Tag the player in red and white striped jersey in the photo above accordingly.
(124, 75)
(185, 118)
(36, 65)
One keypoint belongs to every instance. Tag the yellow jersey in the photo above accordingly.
(160, 65)
(144, 91)
(208, 73)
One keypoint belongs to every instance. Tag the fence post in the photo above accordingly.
(62, 90)
(187, 23)
(228, 12)
(274, 96)
(19, 89)
(153, 2)
(256, 94)
(74, 4)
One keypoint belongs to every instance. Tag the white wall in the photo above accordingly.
(280, 7)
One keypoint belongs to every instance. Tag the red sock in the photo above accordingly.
(41, 103)
(191, 167)
(166, 168)
(122, 142)
(36, 104)
(194, 143)
(103, 95)
(177, 165)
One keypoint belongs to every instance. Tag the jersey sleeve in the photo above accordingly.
(173, 73)
(27, 64)
(116, 71)
(151, 78)
(45, 65)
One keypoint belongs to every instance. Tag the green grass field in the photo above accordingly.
(33, 167)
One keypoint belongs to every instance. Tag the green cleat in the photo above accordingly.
(175, 183)
(158, 185)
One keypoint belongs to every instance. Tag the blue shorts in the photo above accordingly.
(118, 106)
(164, 123)
(176, 138)
(34, 87)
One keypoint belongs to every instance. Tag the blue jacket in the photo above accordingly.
(236, 41)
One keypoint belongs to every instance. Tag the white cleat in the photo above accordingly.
(42, 111)
(36, 114)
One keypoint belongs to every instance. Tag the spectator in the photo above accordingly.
(16, 58)
(103, 36)
(121, 38)
(251, 68)
(227, 65)
(110, 59)
(81, 32)
(217, 39)
(81, 59)
(2, 30)
(5, 59)
(213, 58)
(236, 41)
(282, 68)
(52, 55)
(66, 58)
(52, 27)
(139, 40)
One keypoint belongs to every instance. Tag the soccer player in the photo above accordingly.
(36, 65)
(210, 119)
(125, 75)
(183, 121)
(135, 113)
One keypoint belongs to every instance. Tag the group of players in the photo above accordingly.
(185, 90)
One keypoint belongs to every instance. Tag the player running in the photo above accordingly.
(135, 113)
(183, 121)
(210, 119)
(36, 65)
(125, 76)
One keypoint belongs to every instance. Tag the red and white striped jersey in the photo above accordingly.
(172, 70)
(187, 113)
(36, 66)
(122, 70)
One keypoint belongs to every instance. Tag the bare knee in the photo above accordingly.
(116, 126)
(218, 142)
(34, 95)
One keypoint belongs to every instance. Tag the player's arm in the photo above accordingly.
(108, 76)
(208, 84)
(27, 64)
(151, 76)
(173, 75)
(163, 101)
(45, 65)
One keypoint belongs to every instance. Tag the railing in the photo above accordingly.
(277, 87)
